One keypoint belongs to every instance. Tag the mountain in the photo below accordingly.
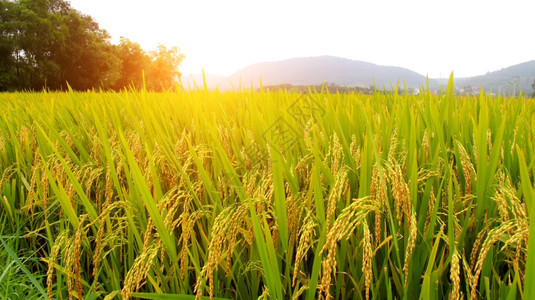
(354, 73)
(504, 81)
(323, 69)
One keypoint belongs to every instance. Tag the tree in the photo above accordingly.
(45, 43)
(533, 86)
(90, 60)
(467, 90)
(514, 84)
(134, 61)
(7, 45)
(34, 34)
(163, 71)
(160, 67)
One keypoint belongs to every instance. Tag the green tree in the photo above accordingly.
(163, 72)
(89, 60)
(533, 86)
(7, 45)
(467, 90)
(35, 33)
(46, 43)
(134, 61)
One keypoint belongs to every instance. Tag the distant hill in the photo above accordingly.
(503, 81)
(328, 69)
(312, 71)
(353, 73)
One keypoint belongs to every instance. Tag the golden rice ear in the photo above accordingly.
(379, 190)
(400, 191)
(306, 235)
(54, 252)
(413, 229)
(349, 219)
(337, 154)
(430, 210)
(355, 150)
(78, 237)
(493, 236)
(367, 256)
(69, 267)
(334, 196)
(467, 168)
(139, 270)
(455, 271)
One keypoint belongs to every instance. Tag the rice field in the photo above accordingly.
(267, 195)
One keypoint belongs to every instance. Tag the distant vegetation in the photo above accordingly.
(334, 88)
(507, 81)
(331, 88)
(47, 44)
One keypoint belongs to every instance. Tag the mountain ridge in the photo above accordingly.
(316, 70)
(504, 81)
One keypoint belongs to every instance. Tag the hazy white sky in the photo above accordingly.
(430, 37)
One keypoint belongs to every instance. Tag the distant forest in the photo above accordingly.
(46, 44)
(329, 87)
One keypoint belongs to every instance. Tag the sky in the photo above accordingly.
(431, 37)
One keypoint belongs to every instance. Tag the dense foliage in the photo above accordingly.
(277, 195)
(48, 44)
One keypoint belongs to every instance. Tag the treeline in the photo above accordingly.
(331, 88)
(46, 44)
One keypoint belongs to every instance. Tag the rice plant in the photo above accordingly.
(275, 195)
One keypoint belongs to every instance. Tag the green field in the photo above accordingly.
(273, 195)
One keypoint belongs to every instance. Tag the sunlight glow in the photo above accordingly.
(429, 37)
